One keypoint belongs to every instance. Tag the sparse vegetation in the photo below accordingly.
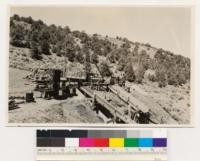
(105, 70)
(129, 73)
(152, 78)
(80, 47)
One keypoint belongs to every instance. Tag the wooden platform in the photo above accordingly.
(113, 109)
(139, 105)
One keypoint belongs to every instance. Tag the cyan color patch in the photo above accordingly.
(145, 142)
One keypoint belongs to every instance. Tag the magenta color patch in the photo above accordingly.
(86, 142)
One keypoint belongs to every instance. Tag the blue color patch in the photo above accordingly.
(145, 142)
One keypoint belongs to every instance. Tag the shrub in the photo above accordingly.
(129, 73)
(45, 47)
(152, 77)
(161, 77)
(94, 58)
(139, 73)
(54, 50)
(35, 53)
(105, 70)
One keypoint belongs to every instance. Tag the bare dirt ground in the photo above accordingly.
(72, 110)
(17, 85)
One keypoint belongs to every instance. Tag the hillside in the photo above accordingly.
(35, 44)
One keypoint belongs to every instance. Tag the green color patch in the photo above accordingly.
(131, 142)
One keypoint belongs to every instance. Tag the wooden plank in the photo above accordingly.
(127, 97)
(107, 105)
(138, 104)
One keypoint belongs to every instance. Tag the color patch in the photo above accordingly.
(71, 142)
(133, 134)
(86, 142)
(78, 134)
(131, 142)
(57, 142)
(159, 142)
(58, 133)
(43, 142)
(43, 133)
(146, 134)
(116, 142)
(145, 142)
(159, 133)
(101, 142)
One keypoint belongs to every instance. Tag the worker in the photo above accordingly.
(147, 117)
(136, 117)
(142, 117)
(94, 100)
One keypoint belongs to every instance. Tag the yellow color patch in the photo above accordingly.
(116, 142)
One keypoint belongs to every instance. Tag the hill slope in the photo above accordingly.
(40, 45)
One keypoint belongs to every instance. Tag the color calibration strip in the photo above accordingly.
(102, 142)
(99, 138)
(102, 145)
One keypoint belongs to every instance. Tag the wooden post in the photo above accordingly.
(115, 118)
(129, 111)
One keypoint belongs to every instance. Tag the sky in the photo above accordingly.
(162, 27)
